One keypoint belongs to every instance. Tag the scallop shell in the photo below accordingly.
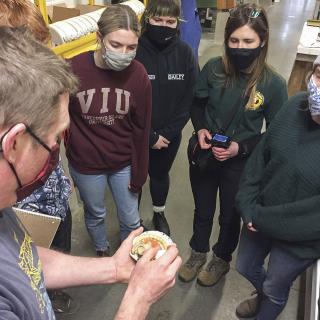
(147, 240)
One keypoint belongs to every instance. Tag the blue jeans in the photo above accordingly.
(92, 189)
(273, 285)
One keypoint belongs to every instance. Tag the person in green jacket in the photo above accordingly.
(234, 94)
(279, 202)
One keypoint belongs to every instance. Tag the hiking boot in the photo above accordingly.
(213, 272)
(62, 302)
(248, 308)
(160, 223)
(191, 268)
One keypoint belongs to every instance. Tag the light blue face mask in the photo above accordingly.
(117, 61)
(314, 98)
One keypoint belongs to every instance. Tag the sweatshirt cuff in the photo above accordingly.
(153, 138)
(134, 188)
(246, 214)
(243, 151)
(246, 219)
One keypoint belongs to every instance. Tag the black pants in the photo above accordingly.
(205, 185)
(160, 162)
(62, 239)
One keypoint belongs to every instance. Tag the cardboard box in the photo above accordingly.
(41, 227)
(87, 8)
(225, 4)
(61, 12)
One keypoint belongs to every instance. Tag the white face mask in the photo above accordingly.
(117, 61)
(314, 99)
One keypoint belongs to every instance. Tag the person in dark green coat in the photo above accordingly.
(279, 201)
(234, 95)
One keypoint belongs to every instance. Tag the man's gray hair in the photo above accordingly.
(32, 78)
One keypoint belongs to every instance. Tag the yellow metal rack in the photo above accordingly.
(75, 47)
(41, 4)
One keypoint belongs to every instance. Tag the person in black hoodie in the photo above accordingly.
(172, 69)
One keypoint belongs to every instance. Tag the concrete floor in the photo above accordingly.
(191, 301)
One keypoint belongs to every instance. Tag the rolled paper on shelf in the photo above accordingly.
(74, 28)
(136, 5)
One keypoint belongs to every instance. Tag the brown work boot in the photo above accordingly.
(248, 308)
(213, 272)
(190, 269)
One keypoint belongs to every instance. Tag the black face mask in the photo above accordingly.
(160, 36)
(243, 58)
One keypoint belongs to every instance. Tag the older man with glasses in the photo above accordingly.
(34, 95)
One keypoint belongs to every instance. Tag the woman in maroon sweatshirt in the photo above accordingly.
(107, 144)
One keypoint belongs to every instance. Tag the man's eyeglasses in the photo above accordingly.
(34, 137)
(37, 139)
(250, 12)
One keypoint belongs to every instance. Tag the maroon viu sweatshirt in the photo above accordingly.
(110, 120)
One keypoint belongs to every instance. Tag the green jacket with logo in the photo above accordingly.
(271, 93)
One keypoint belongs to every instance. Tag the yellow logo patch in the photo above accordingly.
(258, 101)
